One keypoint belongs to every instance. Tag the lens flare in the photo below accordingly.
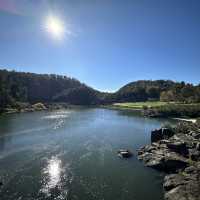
(55, 27)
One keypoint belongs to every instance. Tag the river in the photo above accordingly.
(72, 154)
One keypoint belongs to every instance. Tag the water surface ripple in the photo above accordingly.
(71, 154)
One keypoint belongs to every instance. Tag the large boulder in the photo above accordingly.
(183, 186)
(184, 138)
(160, 134)
(194, 154)
(160, 157)
(174, 164)
(173, 180)
(179, 147)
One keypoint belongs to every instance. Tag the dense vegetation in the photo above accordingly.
(18, 87)
(29, 87)
(174, 110)
(163, 90)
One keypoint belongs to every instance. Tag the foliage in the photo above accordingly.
(33, 88)
(18, 87)
(163, 90)
(177, 110)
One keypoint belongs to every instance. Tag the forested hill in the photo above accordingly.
(32, 88)
(164, 90)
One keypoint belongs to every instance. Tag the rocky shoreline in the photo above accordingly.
(27, 107)
(176, 151)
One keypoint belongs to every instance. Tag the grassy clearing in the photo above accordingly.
(161, 109)
(140, 105)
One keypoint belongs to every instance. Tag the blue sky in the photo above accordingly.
(110, 42)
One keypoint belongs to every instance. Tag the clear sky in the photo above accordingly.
(106, 43)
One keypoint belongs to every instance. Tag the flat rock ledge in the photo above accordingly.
(178, 155)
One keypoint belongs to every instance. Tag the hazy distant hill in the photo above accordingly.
(32, 88)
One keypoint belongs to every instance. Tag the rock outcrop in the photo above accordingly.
(177, 154)
(159, 134)
(184, 185)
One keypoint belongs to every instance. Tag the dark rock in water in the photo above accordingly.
(1, 184)
(160, 134)
(156, 135)
(124, 153)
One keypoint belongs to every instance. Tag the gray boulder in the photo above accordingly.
(162, 159)
(160, 134)
(194, 155)
(183, 186)
(179, 147)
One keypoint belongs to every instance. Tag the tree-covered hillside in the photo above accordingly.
(164, 90)
(47, 88)
(32, 88)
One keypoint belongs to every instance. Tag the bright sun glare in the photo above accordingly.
(55, 27)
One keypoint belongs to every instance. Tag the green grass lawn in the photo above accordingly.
(164, 109)
(140, 105)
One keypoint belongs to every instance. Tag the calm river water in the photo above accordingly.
(71, 154)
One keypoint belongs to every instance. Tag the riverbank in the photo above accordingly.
(180, 111)
(27, 107)
(176, 151)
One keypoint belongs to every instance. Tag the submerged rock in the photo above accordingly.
(124, 153)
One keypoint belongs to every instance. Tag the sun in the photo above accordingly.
(55, 27)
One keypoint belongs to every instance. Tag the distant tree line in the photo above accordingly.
(163, 90)
(33, 88)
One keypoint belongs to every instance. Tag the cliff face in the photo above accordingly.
(176, 152)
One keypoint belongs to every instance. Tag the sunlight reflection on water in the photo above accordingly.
(57, 116)
(54, 171)
(58, 124)
(52, 175)
(56, 179)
